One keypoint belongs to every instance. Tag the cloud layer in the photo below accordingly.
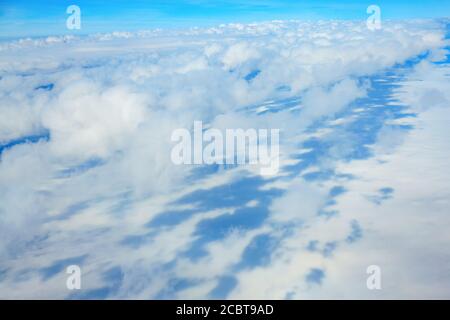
(86, 176)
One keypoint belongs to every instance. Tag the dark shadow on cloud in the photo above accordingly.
(45, 87)
(214, 229)
(356, 232)
(60, 265)
(334, 193)
(81, 168)
(326, 250)
(382, 195)
(258, 252)
(252, 75)
(175, 285)
(225, 285)
(359, 134)
(35, 138)
(137, 241)
(315, 276)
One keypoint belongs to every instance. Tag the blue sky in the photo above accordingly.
(30, 18)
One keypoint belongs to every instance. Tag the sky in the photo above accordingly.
(30, 18)
(87, 177)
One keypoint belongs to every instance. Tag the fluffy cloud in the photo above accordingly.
(86, 176)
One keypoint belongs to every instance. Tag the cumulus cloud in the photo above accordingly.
(86, 176)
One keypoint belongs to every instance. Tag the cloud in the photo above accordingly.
(85, 166)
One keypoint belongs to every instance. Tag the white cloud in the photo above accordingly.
(110, 102)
